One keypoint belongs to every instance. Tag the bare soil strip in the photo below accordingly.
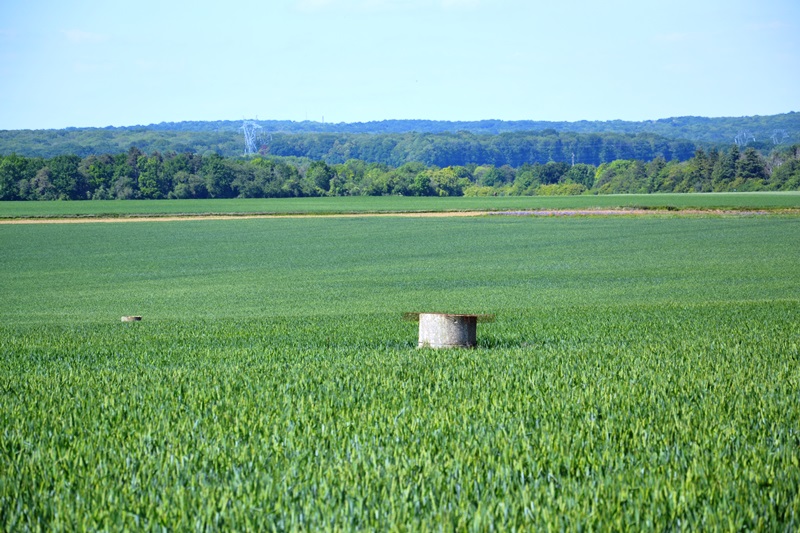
(437, 214)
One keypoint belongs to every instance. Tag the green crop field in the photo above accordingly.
(641, 373)
(366, 204)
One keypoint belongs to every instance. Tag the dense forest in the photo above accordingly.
(761, 129)
(395, 149)
(396, 142)
(136, 174)
(405, 157)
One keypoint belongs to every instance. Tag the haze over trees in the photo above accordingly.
(395, 142)
(204, 160)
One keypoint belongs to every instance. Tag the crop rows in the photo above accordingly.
(640, 374)
(255, 268)
(633, 417)
(360, 204)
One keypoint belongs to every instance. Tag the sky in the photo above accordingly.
(97, 63)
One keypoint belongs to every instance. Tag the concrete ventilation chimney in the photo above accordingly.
(444, 330)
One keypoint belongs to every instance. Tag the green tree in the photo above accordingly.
(42, 187)
(697, 174)
(622, 177)
(374, 183)
(152, 183)
(653, 169)
(525, 181)
(99, 171)
(422, 185)
(218, 175)
(670, 177)
(126, 174)
(724, 171)
(551, 172)
(186, 185)
(319, 174)
(787, 176)
(785, 168)
(580, 173)
(66, 178)
(12, 172)
(751, 169)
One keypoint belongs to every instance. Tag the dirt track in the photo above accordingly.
(532, 213)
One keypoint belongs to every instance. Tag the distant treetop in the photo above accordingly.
(692, 128)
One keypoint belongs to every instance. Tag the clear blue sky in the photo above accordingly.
(101, 62)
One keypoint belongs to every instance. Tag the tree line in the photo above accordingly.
(465, 148)
(772, 129)
(135, 174)
(394, 149)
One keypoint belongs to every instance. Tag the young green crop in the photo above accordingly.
(255, 268)
(635, 417)
(641, 373)
(375, 204)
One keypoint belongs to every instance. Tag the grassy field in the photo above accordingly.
(641, 373)
(367, 204)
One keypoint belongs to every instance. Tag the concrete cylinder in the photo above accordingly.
(437, 330)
